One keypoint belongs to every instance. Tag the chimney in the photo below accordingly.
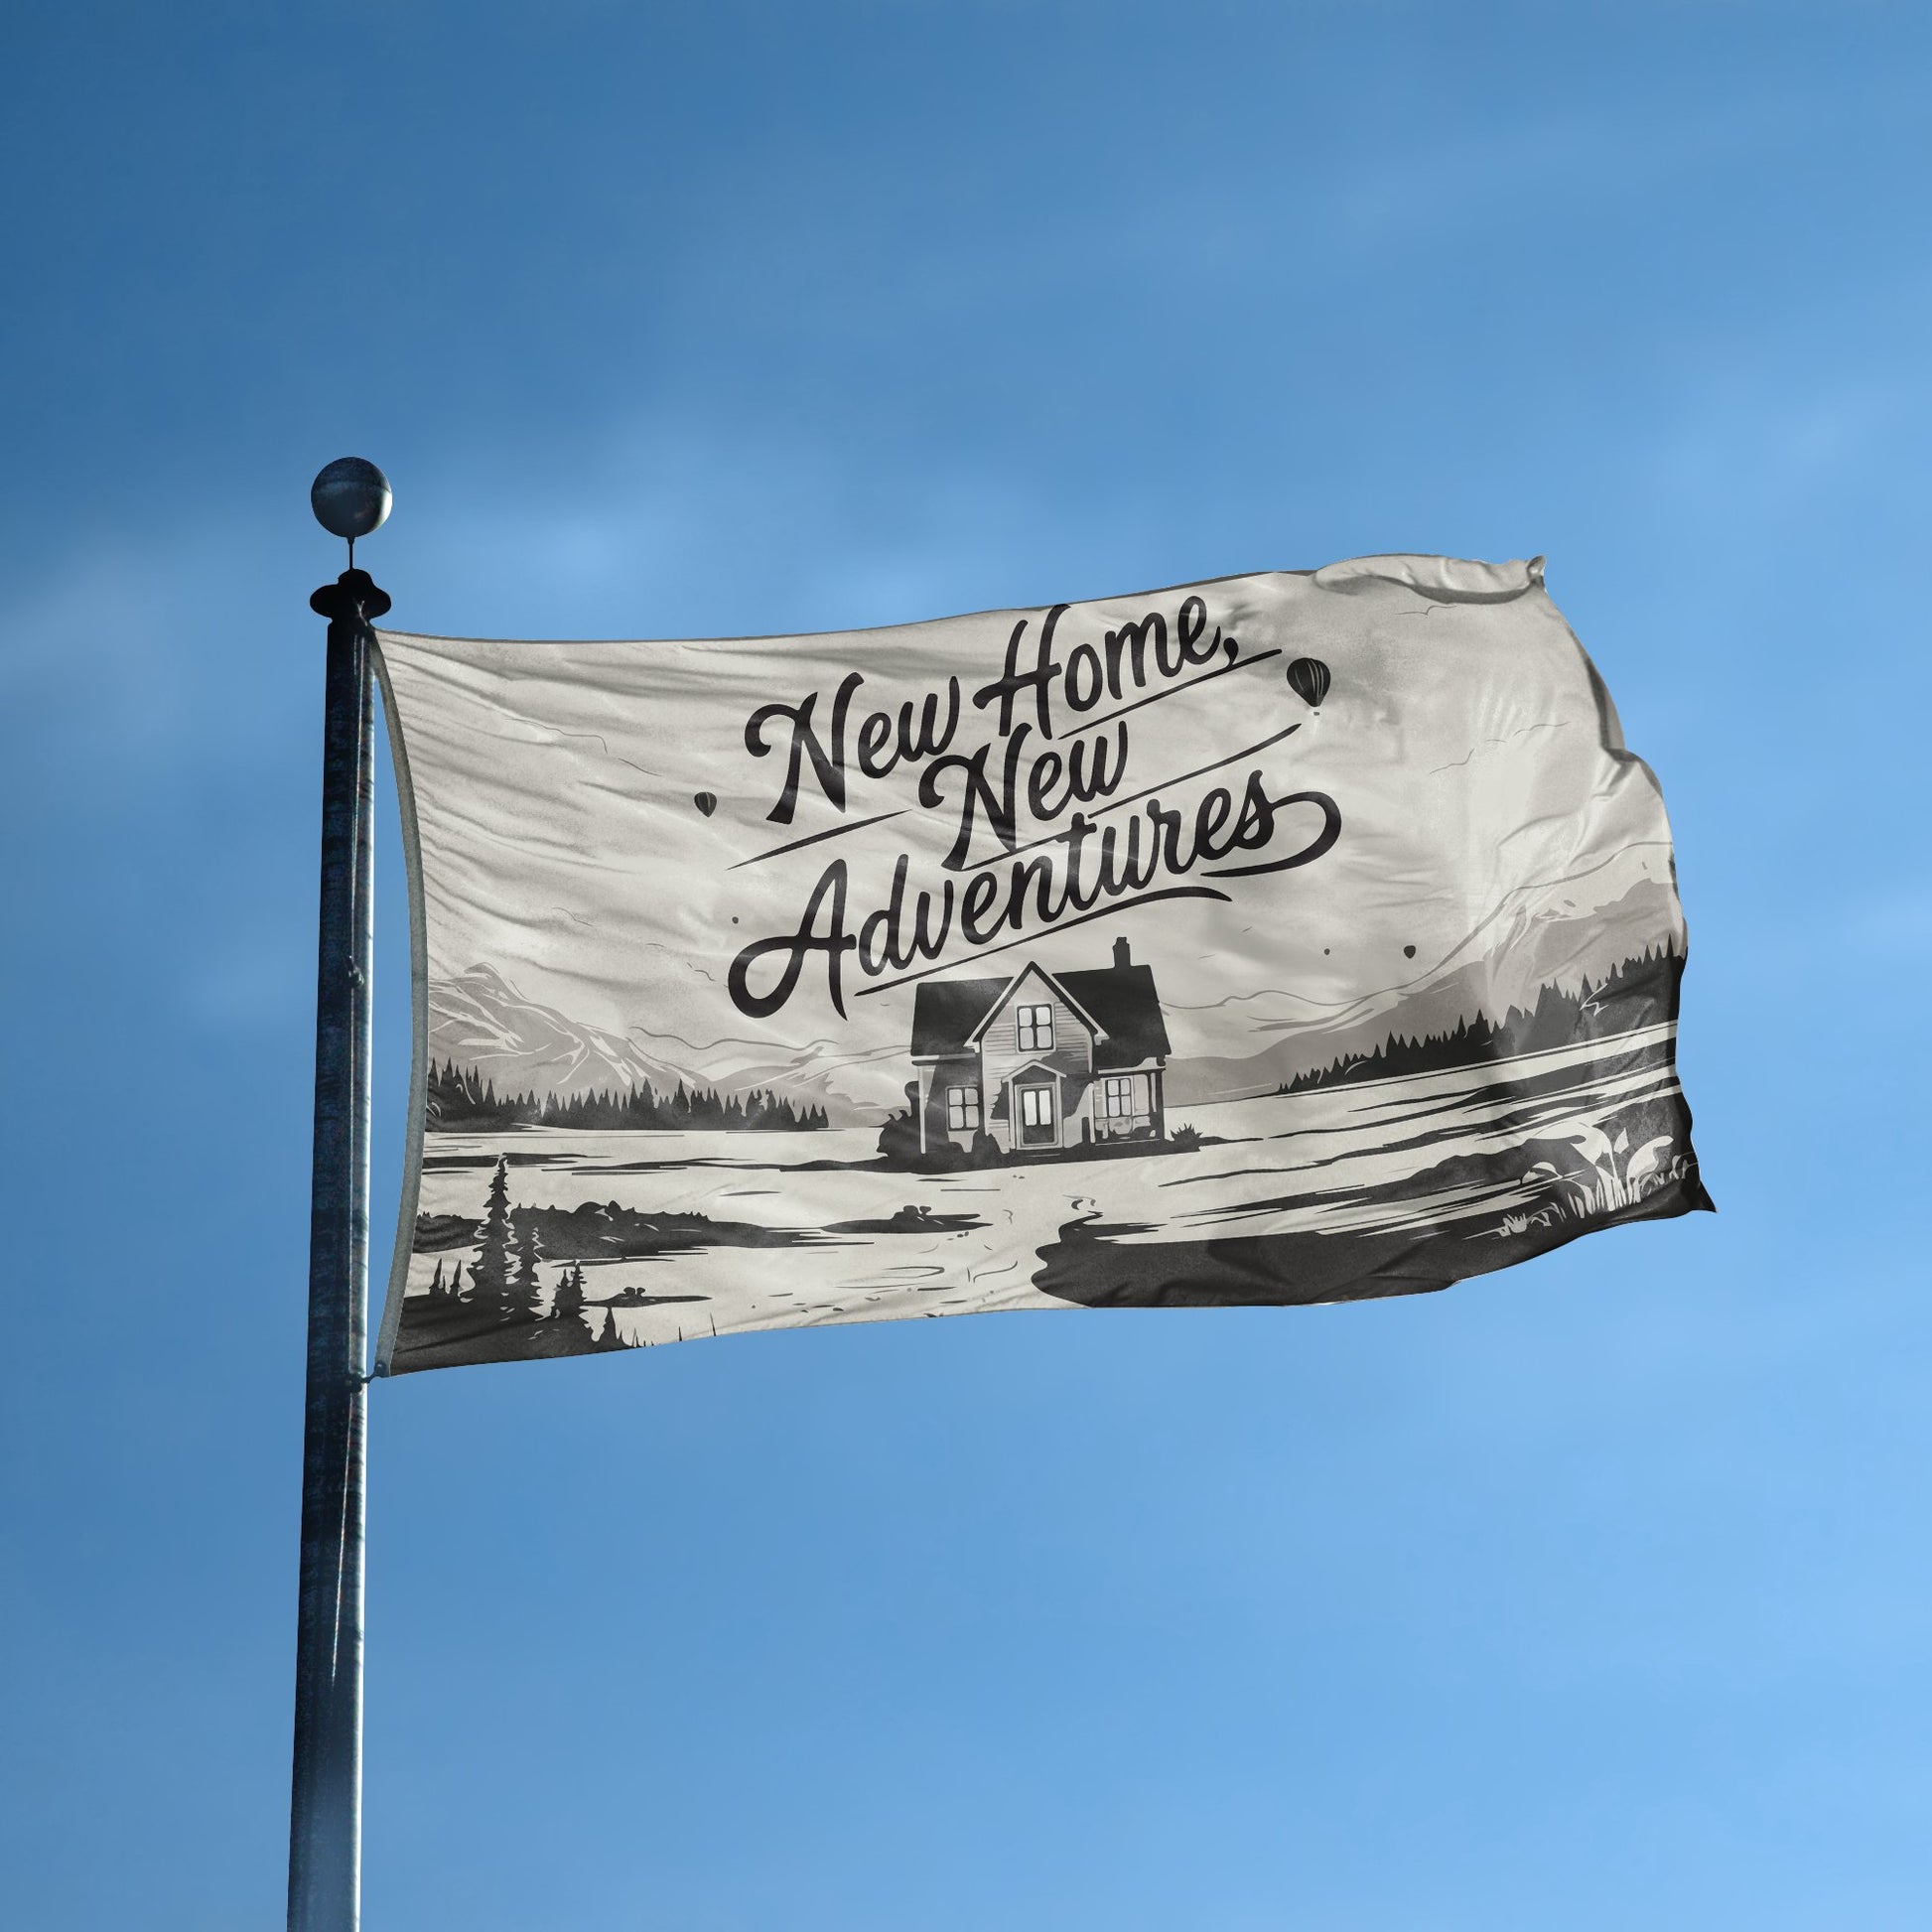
(1123, 954)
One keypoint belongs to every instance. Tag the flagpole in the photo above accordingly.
(351, 498)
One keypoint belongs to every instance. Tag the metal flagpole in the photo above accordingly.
(351, 498)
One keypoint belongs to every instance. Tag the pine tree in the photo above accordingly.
(489, 1272)
(567, 1298)
(525, 1290)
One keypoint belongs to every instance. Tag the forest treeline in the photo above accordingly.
(1641, 991)
(504, 1307)
(459, 1101)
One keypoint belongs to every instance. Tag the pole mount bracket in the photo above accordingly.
(354, 597)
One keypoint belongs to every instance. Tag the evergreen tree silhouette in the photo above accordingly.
(1636, 993)
(489, 1272)
(459, 1099)
(524, 1290)
(567, 1298)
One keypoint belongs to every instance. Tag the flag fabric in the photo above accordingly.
(1287, 938)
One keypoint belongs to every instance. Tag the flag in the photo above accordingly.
(1287, 938)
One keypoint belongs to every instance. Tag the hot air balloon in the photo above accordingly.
(706, 802)
(1309, 677)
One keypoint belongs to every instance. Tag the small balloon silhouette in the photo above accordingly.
(1309, 678)
(706, 802)
(1408, 952)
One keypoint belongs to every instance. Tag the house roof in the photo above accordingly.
(1124, 999)
(1056, 985)
(945, 1012)
(1121, 1000)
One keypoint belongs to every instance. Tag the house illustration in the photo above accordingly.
(1041, 1061)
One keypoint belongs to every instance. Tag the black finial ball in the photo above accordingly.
(351, 497)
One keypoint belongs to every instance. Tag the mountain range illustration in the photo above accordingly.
(479, 1020)
(1556, 945)
(482, 1022)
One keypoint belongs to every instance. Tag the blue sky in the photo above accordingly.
(1591, 1595)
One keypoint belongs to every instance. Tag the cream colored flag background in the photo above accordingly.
(1285, 938)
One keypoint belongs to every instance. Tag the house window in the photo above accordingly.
(1117, 1098)
(1036, 1114)
(1035, 1029)
(962, 1108)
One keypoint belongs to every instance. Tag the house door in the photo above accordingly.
(1037, 1127)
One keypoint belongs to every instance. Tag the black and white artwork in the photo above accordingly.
(1288, 938)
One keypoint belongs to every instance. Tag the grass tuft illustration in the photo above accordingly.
(1613, 1177)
